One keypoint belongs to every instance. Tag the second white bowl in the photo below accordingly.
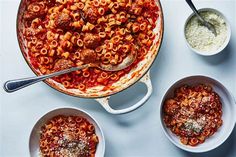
(35, 133)
(228, 107)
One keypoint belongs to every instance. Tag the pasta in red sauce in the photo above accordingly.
(194, 113)
(69, 136)
(66, 33)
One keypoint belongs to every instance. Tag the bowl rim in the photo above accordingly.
(103, 144)
(223, 46)
(178, 144)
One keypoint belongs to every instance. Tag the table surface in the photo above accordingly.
(137, 134)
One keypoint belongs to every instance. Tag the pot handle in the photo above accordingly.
(105, 101)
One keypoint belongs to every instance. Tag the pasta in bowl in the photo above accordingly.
(66, 132)
(197, 113)
(57, 34)
(194, 113)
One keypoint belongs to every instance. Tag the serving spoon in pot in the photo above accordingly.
(14, 85)
(210, 26)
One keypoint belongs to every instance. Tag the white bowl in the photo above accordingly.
(228, 107)
(35, 133)
(210, 53)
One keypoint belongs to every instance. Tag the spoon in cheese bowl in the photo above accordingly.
(64, 66)
(210, 26)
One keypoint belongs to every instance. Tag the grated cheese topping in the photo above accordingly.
(73, 148)
(192, 125)
(201, 38)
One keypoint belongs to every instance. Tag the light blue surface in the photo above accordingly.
(137, 134)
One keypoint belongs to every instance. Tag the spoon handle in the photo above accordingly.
(14, 85)
(190, 3)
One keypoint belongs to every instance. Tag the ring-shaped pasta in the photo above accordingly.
(80, 43)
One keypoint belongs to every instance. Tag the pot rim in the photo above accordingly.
(90, 97)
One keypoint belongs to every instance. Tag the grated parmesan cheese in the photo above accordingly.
(192, 125)
(201, 38)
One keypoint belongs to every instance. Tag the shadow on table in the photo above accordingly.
(227, 149)
(118, 101)
(111, 148)
(71, 101)
(128, 98)
(223, 56)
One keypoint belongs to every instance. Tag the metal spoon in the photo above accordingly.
(204, 22)
(14, 85)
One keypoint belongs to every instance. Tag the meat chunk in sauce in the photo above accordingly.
(62, 64)
(91, 15)
(91, 40)
(88, 56)
(63, 20)
(50, 3)
(171, 107)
